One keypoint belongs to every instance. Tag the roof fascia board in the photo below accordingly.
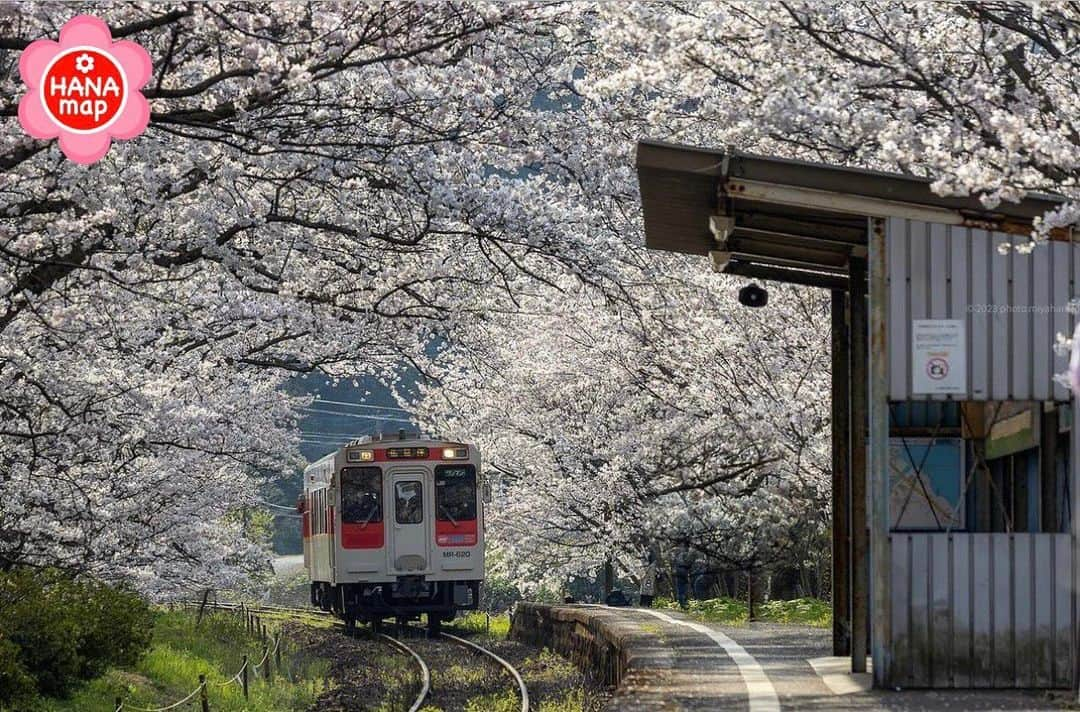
(841, 202)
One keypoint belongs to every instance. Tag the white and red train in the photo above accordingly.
(394, 528)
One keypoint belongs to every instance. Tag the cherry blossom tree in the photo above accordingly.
(608, 429)
(334, 188)
(980, 97)
(320, 187)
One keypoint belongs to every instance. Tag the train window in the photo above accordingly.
(409, 502)
(361, 495)
(455, 493)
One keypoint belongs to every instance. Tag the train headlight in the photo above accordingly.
(455, 453)
(361, 456)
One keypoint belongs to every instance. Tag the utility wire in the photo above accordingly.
(276, 506)
(361, 405)
(362, 417)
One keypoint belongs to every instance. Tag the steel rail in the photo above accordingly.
(296, 613)
(523, 691)
(425, 672)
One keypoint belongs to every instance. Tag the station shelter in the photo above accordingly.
(954, 448)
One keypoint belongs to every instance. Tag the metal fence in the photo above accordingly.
(981, 610)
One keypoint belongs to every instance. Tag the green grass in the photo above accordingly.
(805, 611)
(730, 611)
(180, 652)
(506, 701)
(572, 701)
(497, 626)
(712, 610)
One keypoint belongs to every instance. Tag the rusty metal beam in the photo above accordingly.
(787, 276)
(841, 479)
(859, 550)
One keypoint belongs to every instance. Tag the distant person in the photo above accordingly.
(648, 580)
(702, 578)
(684, 561)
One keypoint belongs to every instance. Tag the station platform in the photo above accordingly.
(663, 660)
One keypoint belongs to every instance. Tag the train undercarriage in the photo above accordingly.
(403, 600)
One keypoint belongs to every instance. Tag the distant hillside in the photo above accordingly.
(341, 412)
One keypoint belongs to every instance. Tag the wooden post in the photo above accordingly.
(841, 476)
(244, 676)
(750, 595)
(1048, 464)
(880, 560)
(609, 578)
(266, 664)
(277, 651)
(202, 607)
(859, 548)
(1074, 526)
(203, 697)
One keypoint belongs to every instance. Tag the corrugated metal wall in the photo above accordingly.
(1014, 305)
(981, 610)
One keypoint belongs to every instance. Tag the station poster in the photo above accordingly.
(938, 356)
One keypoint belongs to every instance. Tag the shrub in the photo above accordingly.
(60, 630)
(16, 684)
(498, 594)
(807, 611)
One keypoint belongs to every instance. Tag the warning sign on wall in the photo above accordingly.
(938, 356)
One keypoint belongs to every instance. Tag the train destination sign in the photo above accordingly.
(938, 356)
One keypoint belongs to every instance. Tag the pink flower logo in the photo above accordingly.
(84, 89)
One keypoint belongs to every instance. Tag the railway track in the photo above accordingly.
(424, 670)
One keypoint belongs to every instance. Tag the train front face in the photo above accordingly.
(411, 529)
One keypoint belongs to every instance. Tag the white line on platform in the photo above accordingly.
(759, 689)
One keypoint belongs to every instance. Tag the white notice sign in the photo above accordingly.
(938, 356)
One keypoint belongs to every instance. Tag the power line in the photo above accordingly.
(362, 417)
(361, 405)
(276, 506)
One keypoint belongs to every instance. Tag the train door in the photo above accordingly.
(410, 507)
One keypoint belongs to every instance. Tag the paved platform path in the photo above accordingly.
(762, 667)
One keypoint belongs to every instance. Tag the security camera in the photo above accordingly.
(753, 296)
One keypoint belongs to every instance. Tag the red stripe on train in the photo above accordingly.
(461, 534)
(362, 536)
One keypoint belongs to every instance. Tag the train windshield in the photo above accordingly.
(410, 502)
(361, 495)
(455, 493)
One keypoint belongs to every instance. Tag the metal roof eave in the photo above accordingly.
(806, 205)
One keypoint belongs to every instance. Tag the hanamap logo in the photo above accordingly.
(84, 89)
